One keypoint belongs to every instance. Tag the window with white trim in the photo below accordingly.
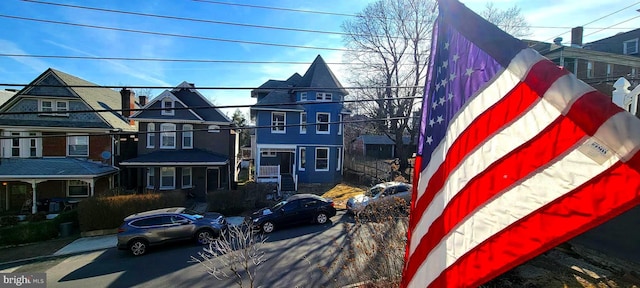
(22, 144)
(167, 178)
(303, 122)
(322, 159)
(78, 145)
(609, 69)
(186, 177)
(322, 122)
(323, 96)
(151, 135)
(339, 124)
(151, 178)
(187, 136)
(167, 136)
(302, 159)
(54, 107)
(77, 188)
(268, 153)
(167, 107)
(630, 47)
(303, 96)
(15, 144)
(33, 144)
(278, 120)
(589, 69)
(339, 159)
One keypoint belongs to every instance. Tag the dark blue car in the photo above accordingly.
(297, 209)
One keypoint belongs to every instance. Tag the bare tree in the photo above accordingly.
(391, 41)
(509, 20)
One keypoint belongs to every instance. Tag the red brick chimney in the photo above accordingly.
(142, 100)
(576, 36)
(128, 103)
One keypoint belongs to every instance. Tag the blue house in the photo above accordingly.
(299, 133)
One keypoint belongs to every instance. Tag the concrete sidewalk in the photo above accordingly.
(90, 244)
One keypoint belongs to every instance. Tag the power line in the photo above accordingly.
(209, 107)
(178, 35)
(204, 87)
(168, 60)
(613, 25)
(279, 8)
(189, 19)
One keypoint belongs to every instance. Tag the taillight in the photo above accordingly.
(120, 230)
(331, 204)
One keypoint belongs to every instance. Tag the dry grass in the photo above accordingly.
(342, 192)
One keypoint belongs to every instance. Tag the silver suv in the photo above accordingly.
(141, 230)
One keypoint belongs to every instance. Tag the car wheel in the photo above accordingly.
(321, 218)
(204, 236)
(138, 247)
(267, 227)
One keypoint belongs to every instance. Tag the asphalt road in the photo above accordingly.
(294, 257)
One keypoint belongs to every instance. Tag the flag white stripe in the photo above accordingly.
(511, 137)
(616, 134)
(542, 188)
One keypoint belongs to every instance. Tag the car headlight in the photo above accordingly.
(256, 220)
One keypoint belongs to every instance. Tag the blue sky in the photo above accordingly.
(19, 36)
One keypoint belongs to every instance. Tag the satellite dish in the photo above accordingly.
(105, 155)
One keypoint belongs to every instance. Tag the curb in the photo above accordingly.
(11, 264)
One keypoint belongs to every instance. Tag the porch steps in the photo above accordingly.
(287, 183)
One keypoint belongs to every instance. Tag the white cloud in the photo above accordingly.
(36, 64)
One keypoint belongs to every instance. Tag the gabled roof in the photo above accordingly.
(96, 97)
(5, 96)
(278, 97)
(188, 96)
(320, 76)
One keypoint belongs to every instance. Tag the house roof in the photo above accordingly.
(199, 108)
(53, 168)
(190, 157)
(277, 97)
(320, 76)
(5, 96)
(96, 97)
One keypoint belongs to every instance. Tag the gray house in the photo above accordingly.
(185, 144)
(52, 156)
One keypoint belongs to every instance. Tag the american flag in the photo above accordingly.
(516, 156)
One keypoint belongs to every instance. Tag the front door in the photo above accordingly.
(213, 179)
(285, 162)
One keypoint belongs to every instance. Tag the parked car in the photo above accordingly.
(150, 228)
(297, 209)
(378, 194)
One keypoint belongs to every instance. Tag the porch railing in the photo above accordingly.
(269, 174)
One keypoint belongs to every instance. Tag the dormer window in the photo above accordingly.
(54, 107)
(323, 96)
(630, 47)
(167, 107)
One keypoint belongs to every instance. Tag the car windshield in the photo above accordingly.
(278, 206)
(374, 191)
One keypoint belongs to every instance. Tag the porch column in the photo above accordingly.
(34, 205)
(92, 185)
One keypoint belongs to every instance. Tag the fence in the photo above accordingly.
(369, 171)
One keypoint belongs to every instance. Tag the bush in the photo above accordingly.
(8, 221)
(28, 232)
(68, 216)
(98, 213)
(40, 216)
(252, 195)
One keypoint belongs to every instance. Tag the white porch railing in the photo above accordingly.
(270, 174)
(624, 98)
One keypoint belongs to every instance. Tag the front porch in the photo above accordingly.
(277, 165)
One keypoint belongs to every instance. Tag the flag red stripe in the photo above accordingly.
(555, 140)
(591, 110)
(586, 207)
(485, 125)
(542, 75)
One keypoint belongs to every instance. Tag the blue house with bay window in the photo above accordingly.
(299, 131)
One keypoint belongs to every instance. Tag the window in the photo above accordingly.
(339, 124)
(609, 69)
(302, 158)
(589, 69)
(151, 135)
(213, 129)
(151, 178)
(322, 159)
(167, 178)
(167, 136)
(303, 122)
(167, 107)
(323, 96)
(53, 107)
(303, 96)
(187, 136)
(33, 144)
(633, 72)
(186, 177)
(268, 153)
(78, 145)
(339, 159)
(630, 47)
(15, 144)
(322, 120)
(78, 188)
(277, 122)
